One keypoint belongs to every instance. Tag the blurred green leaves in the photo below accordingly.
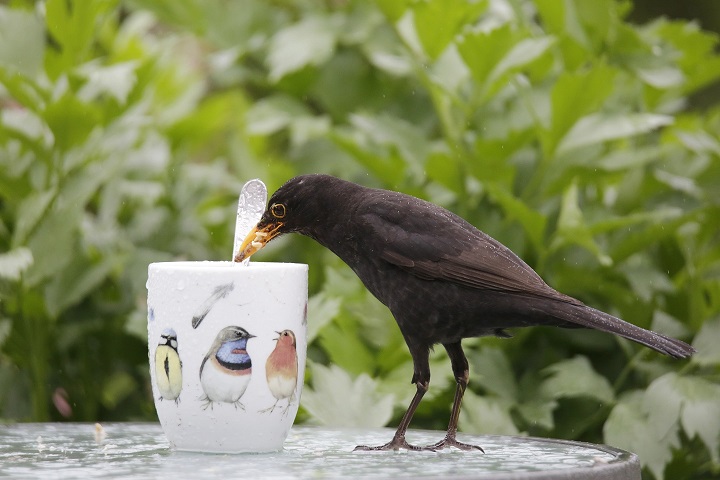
(559, 128)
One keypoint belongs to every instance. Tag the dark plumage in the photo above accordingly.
(442, 278)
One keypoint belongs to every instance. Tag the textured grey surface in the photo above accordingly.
(140, 450)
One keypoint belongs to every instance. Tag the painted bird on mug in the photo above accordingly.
(226, 369)
(281, 369)
(168, 367)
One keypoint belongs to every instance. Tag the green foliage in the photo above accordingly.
(127, 129)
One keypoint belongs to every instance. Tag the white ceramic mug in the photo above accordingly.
(227, 347)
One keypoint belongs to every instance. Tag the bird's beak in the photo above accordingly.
(257, 239)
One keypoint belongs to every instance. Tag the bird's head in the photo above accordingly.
(287, 337)
(169, 337)
(297, 206)
(232, 334)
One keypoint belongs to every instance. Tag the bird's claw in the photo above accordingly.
(452, 442)
(394, 444)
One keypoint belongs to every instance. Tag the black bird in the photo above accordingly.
(442, 278)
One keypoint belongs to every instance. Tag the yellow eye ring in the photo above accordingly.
(278, 210)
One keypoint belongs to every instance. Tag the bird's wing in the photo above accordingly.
(435, 244)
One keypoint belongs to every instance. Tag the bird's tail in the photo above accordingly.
(584, 316)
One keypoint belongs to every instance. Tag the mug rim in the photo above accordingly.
(190, 265)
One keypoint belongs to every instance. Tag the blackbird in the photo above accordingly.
(442, 278)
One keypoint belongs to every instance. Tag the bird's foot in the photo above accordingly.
(270, 409)
(206, 402)
(397, 443)
(451, 441)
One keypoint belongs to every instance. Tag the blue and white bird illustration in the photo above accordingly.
(226, 369)
(168, 367)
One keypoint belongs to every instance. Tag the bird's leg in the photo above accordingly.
(421, 379)
(398, 442)
(461, 371)
(271, 408)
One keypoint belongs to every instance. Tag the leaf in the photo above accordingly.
(308, 42)
(54, 237)
(273, 114)
(486, 415)
(600, 127)
(523, 53)
(618, 160)
(390, 131)
(71, 120)
(437, 22)
(576, 378)
(573, 96)
(572, 229)
(483, 51)
(539, 412)
(695, 51)
(30, 212)
(661, 77)
(706, 343)
(645, 278)
(393, 9)
(27, 124)
(628, 427)
(589, 23)
(72, 25)
(342, 342)
(76, 281)
(57, 231)
(532, 221)
(22, 41)
(321, 310)
(115, 80)
(690, 401)
(335, 399)
(701, 411)
(15, 262)
(495, 373)
(445, 169)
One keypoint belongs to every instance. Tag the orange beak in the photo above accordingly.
(257, 239)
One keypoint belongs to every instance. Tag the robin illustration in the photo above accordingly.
(226, 369)
(281, 369)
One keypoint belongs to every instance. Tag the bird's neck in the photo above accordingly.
(233, 355)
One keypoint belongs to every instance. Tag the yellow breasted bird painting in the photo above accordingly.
(168, 367)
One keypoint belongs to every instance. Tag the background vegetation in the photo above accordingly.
(584, 142)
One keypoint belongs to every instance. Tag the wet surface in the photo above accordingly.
(140, 450)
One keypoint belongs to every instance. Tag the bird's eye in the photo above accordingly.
(278, 210)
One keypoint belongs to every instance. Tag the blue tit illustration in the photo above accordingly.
(220, 292)
(281, 370)
(226, 369)
(168, 367)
